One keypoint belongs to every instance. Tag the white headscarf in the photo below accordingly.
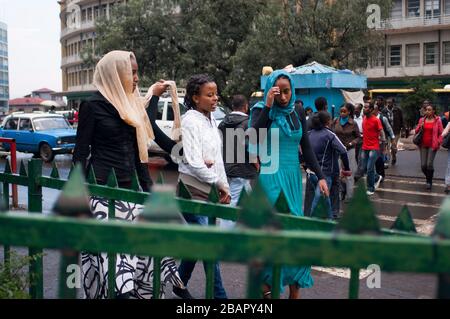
(113, 77)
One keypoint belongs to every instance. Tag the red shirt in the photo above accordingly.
(371, 133)
(427, 140)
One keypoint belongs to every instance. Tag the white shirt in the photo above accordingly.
(202, 143)
(359, 121)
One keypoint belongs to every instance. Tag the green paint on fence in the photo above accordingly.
(442, 228)
(321, 210)
(282, 205)
(160, 178)
(242, 197)
(55, 172)
(161, 206)
(257, 212)
(213, 196)
(74, 200)
(183, 192)
(7, 168)
(22, 169)
(112, 180)
(359, 217)
(404, 221)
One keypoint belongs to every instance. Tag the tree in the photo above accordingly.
(423, 90)
(329, 32)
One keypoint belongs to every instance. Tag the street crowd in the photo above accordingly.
(116, 125)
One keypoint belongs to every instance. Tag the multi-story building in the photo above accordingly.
(78, 19)
(4, 78)
(416, 44)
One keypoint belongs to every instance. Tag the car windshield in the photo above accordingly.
(50, 123)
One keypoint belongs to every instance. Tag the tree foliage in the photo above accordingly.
(234, 39)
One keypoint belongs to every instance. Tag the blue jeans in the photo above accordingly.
(318, 194)
(187, 267)
(237, 184)
(369, 159)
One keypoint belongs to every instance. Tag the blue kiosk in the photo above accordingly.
(314, 80)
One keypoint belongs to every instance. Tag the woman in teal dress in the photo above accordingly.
(285, 124)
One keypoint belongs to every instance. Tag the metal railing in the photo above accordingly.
(265, 237)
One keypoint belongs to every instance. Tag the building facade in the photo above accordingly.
(78, 19)
(416, 44)
(4, 69)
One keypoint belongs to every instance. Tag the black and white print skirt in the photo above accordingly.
(134, 274)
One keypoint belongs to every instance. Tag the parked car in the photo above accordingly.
(43, 134)
(165, 118)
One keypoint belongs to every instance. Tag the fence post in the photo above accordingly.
(354, 284)
(15, 201)
(35, 206)
(6, 248)
(442, 231)
(73, 202)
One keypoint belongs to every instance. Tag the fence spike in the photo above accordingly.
(55, 172)
(22, 169)
(161, 206)
(160, 179)
(257, 211)
(442, 228)
(183, 192)
(242, 197)
(404, 221)
(112, 179)
(135, 181)
(72, 168)
(321, 210)
(74, 200)
(213, 196)
(282, 205)
(91, 176)
(7, 167)
(360, 215)
(3, 207)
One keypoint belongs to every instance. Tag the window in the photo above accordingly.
(25, 124)
(159, 115)
(395, 56)
(378, 60)
(413, 8)
(432, 8)
(396, 11)
(413, 54)
(446, 7)
(446, 53)
(11, 124)
(431, 53)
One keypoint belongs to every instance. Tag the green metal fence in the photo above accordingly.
(262, 237)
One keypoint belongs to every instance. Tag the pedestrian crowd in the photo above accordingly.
(279, 139)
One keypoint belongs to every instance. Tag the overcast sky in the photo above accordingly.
(34, 48)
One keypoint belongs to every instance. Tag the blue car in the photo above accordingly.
(43, 134)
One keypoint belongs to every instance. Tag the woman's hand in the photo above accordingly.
(224, 195)
(324, 188)
(159, 88)
(274, 91)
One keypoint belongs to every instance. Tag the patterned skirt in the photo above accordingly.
(134, 274)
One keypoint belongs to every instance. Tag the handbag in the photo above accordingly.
(446, 142)
(419, 136)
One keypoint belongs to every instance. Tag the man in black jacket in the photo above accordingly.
(239, 167)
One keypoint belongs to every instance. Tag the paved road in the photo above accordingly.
(403, 185)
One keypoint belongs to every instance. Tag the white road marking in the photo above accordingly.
(402, 203)
(401, 191)
(343, 272)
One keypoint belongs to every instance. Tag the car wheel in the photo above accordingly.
(46, 153)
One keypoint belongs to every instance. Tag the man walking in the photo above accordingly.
(395, 117)
(238, 167)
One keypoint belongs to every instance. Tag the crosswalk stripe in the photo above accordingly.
(402, 191)
(402, 203)
(410, 182)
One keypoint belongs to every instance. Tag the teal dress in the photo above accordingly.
(288, 178)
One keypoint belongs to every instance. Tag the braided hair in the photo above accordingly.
(193, 88)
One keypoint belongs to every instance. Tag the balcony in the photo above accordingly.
(73, 59)
(415, 22)
(77, 28)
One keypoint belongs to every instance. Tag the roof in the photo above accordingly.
(317, 68)
(26, 101)
(34, 115)
(44, 90)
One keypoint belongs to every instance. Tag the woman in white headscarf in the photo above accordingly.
(114, 132)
